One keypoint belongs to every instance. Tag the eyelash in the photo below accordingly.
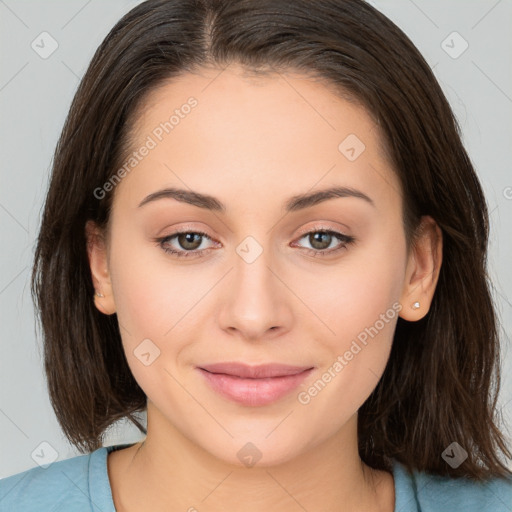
(346, 239)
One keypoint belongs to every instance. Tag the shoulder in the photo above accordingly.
(427, 492)
(74, 484)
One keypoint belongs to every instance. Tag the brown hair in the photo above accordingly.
(442, 379)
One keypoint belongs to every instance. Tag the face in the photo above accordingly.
(318, 284)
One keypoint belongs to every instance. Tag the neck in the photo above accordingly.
(168, 471)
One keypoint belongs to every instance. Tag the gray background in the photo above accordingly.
(35, 95)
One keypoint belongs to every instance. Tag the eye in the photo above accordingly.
(190, 241)
(321, 239)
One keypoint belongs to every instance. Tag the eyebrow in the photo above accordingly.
(293, 204)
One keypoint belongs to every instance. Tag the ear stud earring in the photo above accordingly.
(416, 305)
(99, 294)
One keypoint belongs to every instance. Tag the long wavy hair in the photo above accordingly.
(442, 379)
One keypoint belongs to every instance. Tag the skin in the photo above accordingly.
(253, 143)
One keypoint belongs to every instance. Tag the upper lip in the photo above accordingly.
(254, 372)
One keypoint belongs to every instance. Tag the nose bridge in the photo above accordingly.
(255, 301)
(254, 282)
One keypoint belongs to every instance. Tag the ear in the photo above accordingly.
(422, 272)
(98, 262)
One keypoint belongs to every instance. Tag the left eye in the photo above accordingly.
(190, 241)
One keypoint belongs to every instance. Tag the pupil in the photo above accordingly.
(317, 238)
(187, 240)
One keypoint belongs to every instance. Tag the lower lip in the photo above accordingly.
(254, 392)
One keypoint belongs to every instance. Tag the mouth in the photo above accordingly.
(254, 385)
(254, 372)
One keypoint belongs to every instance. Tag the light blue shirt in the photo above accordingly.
(81, 484)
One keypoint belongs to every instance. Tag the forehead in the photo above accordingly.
(273, 134)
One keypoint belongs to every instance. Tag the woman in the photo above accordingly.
(263, 229)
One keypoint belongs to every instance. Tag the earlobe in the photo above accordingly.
(98, 262)
(422, 273)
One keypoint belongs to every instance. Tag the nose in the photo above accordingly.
(257, 301)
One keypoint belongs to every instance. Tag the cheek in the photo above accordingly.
(151, 293)
(149, 302)
(353, 295)
(361, 309)
(155, 306)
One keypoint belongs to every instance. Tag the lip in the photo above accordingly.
(254, 385)
(254, 372)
